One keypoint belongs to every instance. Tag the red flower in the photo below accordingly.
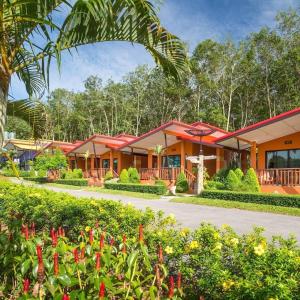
(102, 291)
(124, 244)
(75, 253)
(56, 267)
(82, 253)
(61, 231)
(171, 287)
(33, 229)
(160, 254)
(91, 237)
(102, 241)
(141, 234)
(98, 262)
(26, 285)
(112, 241)
(52, 232)
(26, 232)
(179, 280)
(65, 297)
(39, 253)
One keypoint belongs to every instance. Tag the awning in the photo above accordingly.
(264, 131)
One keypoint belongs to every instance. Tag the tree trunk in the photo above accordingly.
(3, 108)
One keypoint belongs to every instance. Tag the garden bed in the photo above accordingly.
(140, 188)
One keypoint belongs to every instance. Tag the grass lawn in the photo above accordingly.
(101, 190)
(239, 205)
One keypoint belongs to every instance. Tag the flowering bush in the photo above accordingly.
(98, 266)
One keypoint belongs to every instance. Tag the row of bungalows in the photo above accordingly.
(271, 147)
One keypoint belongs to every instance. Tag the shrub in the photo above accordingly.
(124, 176)
(214, 185)
(72, 174)
(260, 198)
(160, 182)
(37, 179)
(76, 182)
(239, 173)
(48, 161)
(221, 175)
(232, 181)
(141, 188)
(108, 176)
(182, 184)
(250, 181)
(133, 175)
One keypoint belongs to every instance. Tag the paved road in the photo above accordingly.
(189, 215)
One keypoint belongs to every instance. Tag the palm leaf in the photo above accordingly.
(32, 111)
(133, 21)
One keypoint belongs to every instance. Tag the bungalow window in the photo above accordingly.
(105, 163)
(174, 161)
(283, 159)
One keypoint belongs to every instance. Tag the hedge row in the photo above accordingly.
(141, 188)
(260, 198)
(36, 179)
(77, 182)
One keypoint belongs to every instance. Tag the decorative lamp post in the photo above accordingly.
(200, 159)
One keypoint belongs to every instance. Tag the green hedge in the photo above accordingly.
(77, 182)
(36, 179)
(141, 188)
(271, 199)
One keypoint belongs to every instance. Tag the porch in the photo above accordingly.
(280, 176)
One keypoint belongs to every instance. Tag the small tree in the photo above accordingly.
(133, 175)
(48, 161)
(250, 181)
(124, 177)
(182, 184)
(108, 176)
(232, 181)
(239, 173)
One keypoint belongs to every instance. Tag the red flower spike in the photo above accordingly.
(124, 244)
(179, 280)
(102, 291)
(26, 232)
(160, 254)
(65, 297)
(112, 242)
(33, 229)
(39, 253)
(54, 239)
(102, 241)
(63, 232)
(141, 234)
(52, 232)
(171, 287)
(98, 262)
(82, 253)
(91, 237)
(76, 258)
(23, 228)
(56, 266)
(26, 285)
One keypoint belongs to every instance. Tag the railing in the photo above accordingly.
(163, 173)
(147, 174)
(97, 173)
(287, 177)
(191, 178)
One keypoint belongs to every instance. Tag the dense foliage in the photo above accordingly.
(50, 161)
(182, 185)
(75, 181)
(232, 85)
(133, 175)
(72, 174)
(124, 177)
(208, 262)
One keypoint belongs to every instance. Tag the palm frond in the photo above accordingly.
(32, 111)
(133, 21)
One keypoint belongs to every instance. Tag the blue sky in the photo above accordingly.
(192, 20)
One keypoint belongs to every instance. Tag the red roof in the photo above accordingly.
(196, 124)
(269, 121)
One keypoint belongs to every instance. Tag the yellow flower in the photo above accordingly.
(169, 250)
(159, 233)
(87, 228)
(184, 232)
(260, 249)
(227, 284)
(216, 235)
(194, 245)
(234, 241)
(93, 203)
(225, 226)
(218, 246)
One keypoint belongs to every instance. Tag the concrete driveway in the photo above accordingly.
(190, 215)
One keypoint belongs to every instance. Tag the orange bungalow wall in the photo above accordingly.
(284, 143)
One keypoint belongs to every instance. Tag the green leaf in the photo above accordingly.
(25, 266)
(64, 279)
